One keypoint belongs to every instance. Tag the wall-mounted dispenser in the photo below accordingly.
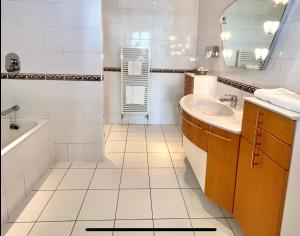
(212, 51)
(12, 63)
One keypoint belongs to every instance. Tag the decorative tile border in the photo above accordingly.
(153, 70)
(66, 77)
(236, 84)
(23, 76)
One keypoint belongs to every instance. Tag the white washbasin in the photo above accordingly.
(211, 107)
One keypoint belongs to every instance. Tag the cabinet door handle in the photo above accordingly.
(191, 123)
(218, 136)
(255, 139)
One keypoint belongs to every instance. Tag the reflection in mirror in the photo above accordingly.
(249, 31)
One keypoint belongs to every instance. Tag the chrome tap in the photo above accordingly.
(233, 100)
(10, 110)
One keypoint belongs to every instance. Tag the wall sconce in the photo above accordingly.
(281, 2)
(271, 27)
(212, 51)
(227, 53)
(261, 53)
(225, 36)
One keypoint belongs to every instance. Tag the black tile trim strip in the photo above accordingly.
(236, 84)
(66, 77)
(153, 70)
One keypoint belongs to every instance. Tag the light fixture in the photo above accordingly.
(225, 36)
(281, 2)
(261, 53)
(227, 53)
(271, 27)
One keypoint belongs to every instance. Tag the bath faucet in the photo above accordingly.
(233, 100)
(10, 110)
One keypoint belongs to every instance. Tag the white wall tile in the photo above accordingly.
(57, 37)
(75, 152)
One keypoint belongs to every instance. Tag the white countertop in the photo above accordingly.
(231, 123)
(277, 109)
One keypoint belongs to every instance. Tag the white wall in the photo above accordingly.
(170, 29)
(52, 36)
(57, 37)
(284, 67)
(166, 91)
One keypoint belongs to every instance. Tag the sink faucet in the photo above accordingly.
(233, 100)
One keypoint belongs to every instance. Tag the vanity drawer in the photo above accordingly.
(273, 123)
(194, 133)
(195, 121)
(274, 148)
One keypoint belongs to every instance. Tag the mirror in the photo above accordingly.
(250, 29)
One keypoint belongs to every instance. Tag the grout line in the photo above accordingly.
(37, 220)
(179, 183)
(117, 204)
(149, 182)
(84, 199)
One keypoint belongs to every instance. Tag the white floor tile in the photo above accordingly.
(221, 225)
(62, 165)
(63, 206)
(99, 205)
(187, 178)
(51, 180)
(134, 224)
(117, 136)
(180, 160)
(77, 179)
(135, 146)
(159, 160)
(157, 147)
(115, 146)
(32, 207)
(135, 154)
(84, 165)
(106, 179)
(136, 128)
(235, 227)
(170, 128)
(119, 128)
(134, 204)
(52, 228)
(173, 223)
(135, 178)
(17, 229)
(163, 178)
(135, 163)
(155, 136)
(80, 226)
(168, 203)
(136, 136)
(199, 206)
(173, 137)
(153, 128)
(175, 147)
(111, 161)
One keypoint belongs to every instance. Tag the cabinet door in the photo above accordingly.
(221, 167)
(260, 191)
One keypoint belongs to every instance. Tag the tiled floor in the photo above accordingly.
(144, 181)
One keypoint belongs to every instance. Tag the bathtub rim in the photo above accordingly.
(19, 141)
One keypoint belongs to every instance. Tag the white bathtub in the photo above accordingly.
(26, 155)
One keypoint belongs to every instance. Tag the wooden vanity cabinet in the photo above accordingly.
(263, 167)
(188, 84)
(222, 153)
(222, 158)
